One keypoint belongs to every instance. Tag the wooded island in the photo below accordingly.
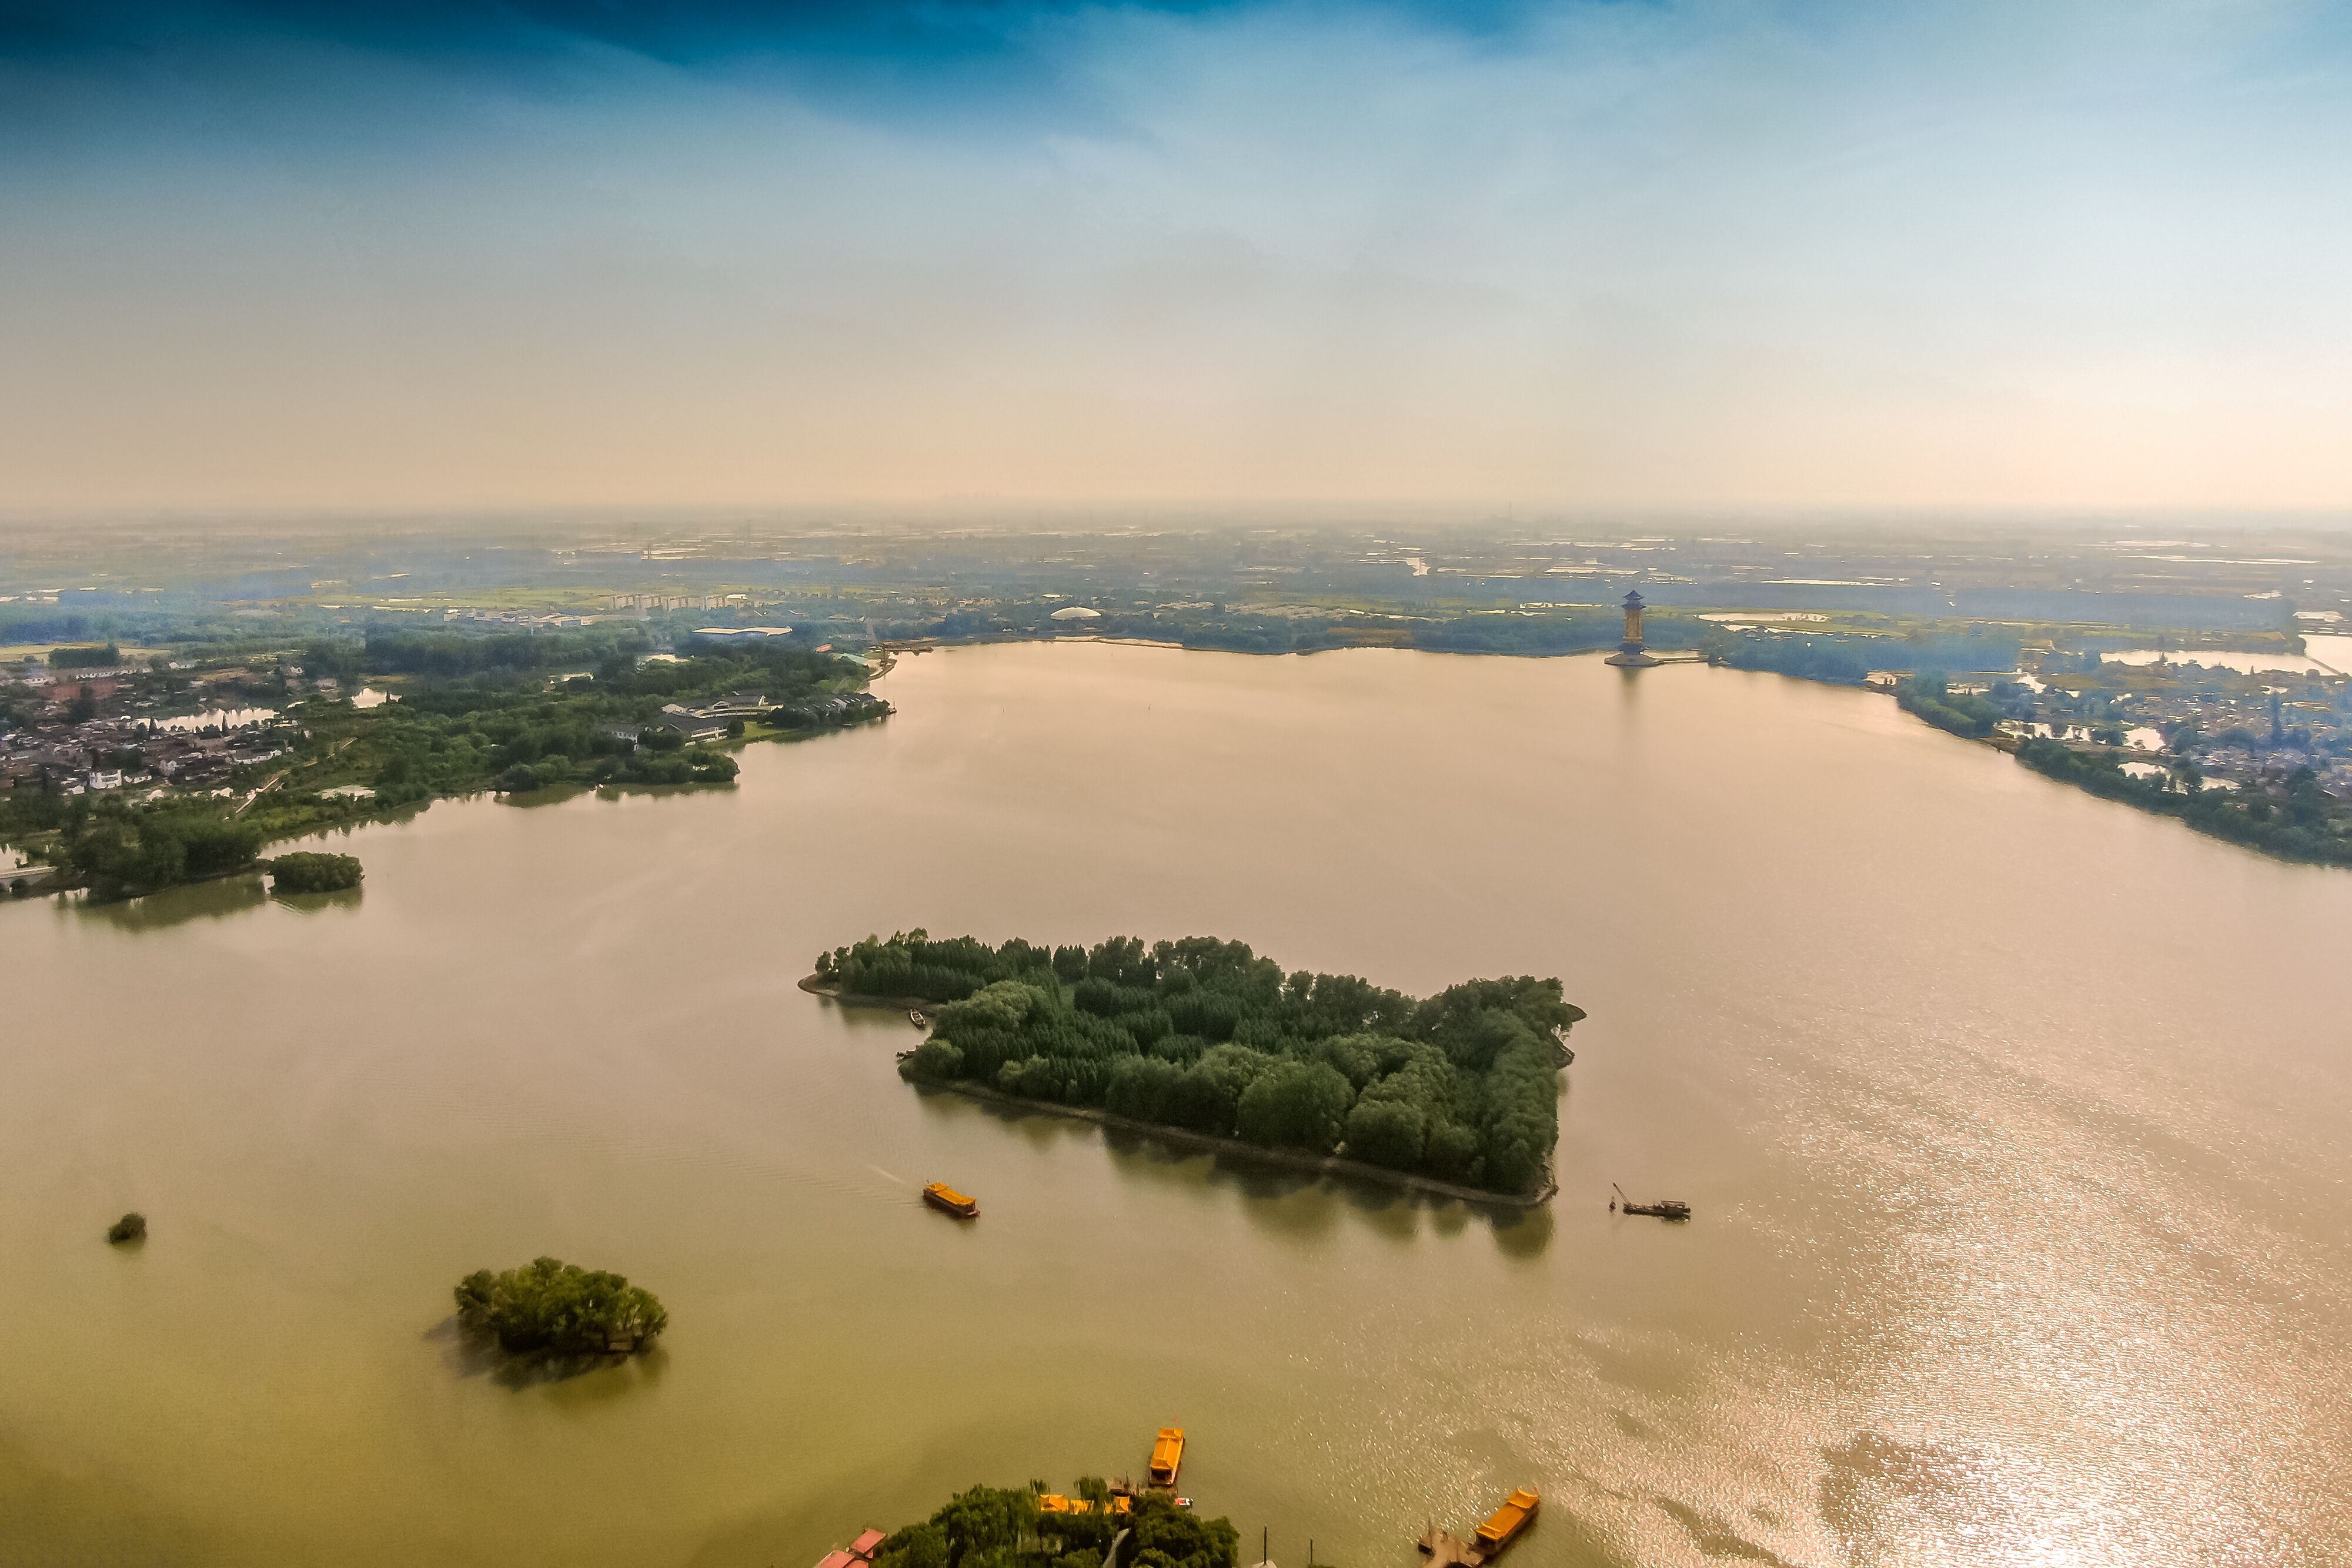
(1206, 1036)
(549, 1307)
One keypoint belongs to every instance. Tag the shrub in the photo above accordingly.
(519, 779)
(933, 1062)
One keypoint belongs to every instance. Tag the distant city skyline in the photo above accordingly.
(1683, 257)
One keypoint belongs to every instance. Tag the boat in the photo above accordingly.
(1518, 1511)
(915, 1016)
(1167, 1455)
(1055, 1502)
(941, 1196)
(1664, 1209)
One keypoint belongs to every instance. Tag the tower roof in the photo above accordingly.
(1632, 599)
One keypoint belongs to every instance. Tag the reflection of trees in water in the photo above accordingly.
(215, 900)
(179, 905)
(1278, 1200)
(473, 1355)
(341, 898)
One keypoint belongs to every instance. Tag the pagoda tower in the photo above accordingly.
(1629, 654)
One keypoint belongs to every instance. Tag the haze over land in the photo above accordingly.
(1495, 255)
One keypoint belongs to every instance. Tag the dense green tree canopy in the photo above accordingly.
(1961, 713)
(1206, 1035)
(991, 1527)
(556, 1307)
(308, 872)
(122, 853)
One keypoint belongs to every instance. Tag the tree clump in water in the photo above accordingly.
(310, 872)
(1207, 1036)
(130, 1228)
(549, 1306)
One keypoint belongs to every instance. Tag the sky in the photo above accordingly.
(1661, 254)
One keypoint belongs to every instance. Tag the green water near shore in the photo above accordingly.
(2013, 1119)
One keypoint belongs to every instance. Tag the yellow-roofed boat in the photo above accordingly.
(1055, 1502)
(939, 1195)
(1518, 1511)
(1167, 1455)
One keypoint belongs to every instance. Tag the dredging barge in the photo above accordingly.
(1664, 1209)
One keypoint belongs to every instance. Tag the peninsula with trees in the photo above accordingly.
(118, 793)
(1209, 1041)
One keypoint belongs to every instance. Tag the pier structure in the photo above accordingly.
(1631, 654)
(1445, 1550)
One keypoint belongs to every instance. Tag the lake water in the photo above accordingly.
(2333, 650)
(2015, 1121)
(2325, 657)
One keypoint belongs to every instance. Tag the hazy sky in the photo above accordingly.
(2039, 253)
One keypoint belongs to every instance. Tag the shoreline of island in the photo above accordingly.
(1332, 1165)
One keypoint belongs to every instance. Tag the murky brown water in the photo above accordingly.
(2016, 1121)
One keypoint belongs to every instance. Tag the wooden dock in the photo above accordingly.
(1445, 1550)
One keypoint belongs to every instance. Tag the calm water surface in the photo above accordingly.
(2015, 1121)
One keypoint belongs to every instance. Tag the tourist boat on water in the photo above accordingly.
(1518, 1511)
(1167, 1455)
(941, 1196)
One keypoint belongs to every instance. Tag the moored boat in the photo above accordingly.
(1167, 1455)
(941, 1196)
(1518, 1511)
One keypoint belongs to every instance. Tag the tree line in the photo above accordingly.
(504, 725)
(1963, 713)
(2299, 820)
(122, 853)
(1206, 1035)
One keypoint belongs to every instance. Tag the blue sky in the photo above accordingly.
(1710, 255)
